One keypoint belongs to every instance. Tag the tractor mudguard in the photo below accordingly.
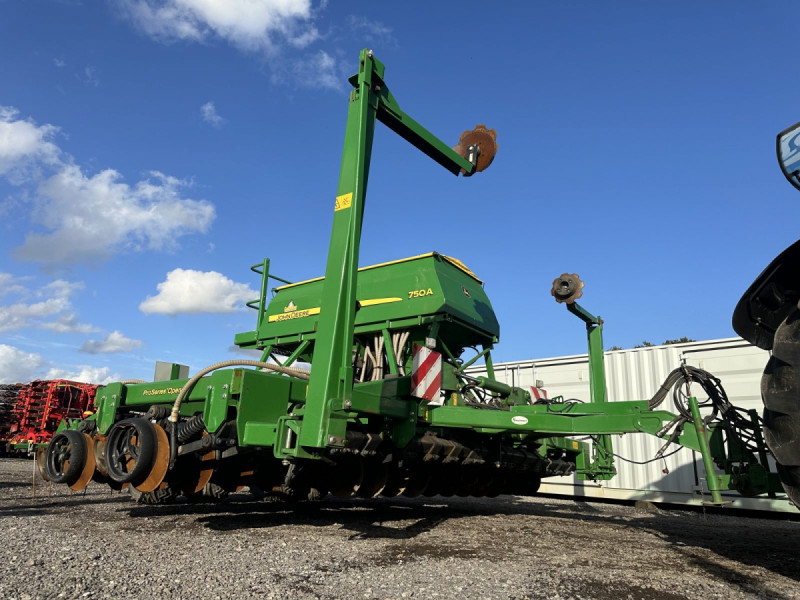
(769, 300)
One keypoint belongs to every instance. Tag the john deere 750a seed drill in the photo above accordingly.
(386, 406)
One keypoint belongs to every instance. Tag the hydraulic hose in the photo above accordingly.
(737, 422)
(189, 385)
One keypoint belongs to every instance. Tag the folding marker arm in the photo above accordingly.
(331, 382)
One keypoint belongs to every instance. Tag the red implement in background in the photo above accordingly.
(41, 405)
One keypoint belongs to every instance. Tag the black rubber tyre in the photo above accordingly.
(211, 492)
(65, 457)
(780, 391)
(129, 462)
(165, 495)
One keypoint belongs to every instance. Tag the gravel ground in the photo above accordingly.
(102, 545)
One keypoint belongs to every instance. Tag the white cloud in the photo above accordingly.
(84, 374)
(59, 63)
(18, 366)
(323, 66)
(52, 312)
(88, 218)
(92, 217)
(23, 145)
(373, 32)
(67, 323)
(11, 285)
(253, 25)
(20, 315)
(186, 291)
(210, 115)
(114, 342)
(316, 70)
(89, 76)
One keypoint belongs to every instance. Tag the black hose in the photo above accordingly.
(735, 421)
(685, 375)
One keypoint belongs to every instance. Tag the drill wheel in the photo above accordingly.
(66, 456)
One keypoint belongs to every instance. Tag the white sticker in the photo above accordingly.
(518, 420)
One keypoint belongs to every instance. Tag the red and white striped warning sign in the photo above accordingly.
(538, 394)
(426, 374)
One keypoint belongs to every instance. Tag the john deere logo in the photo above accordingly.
(465, 290)
(291, 307)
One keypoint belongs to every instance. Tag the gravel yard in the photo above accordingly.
(102, 545)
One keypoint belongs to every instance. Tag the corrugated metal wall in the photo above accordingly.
(636, 374)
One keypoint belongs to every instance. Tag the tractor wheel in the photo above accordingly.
(65, 457)
(130, 450)
(780, 391)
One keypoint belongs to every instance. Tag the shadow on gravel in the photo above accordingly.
(366, 520)
(757, 542)
(14, 484)
(34, 507)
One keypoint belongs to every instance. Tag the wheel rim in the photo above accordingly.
(58, 456)
(131, 447)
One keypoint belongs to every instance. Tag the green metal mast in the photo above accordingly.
(331, 382)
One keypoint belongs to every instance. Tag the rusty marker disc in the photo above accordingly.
(567, 287)
(485, 139)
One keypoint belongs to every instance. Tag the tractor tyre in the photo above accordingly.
(162, 495)
(780, 391)
(211, 492)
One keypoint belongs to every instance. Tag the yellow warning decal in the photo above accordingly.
(374, 301)
(296, 314)
(343, 201)
(293, 313)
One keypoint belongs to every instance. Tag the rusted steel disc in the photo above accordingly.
(160, 462)
(41, 451)
(417, 482)
(193, 472)
(100, 453)
(376, 473)
(207, 464)
(567, 287)
(396, 482)
(242, 479)
(346, 477)
(485, 139)
(88, 466)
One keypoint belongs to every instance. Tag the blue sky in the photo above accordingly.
(153, 148)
